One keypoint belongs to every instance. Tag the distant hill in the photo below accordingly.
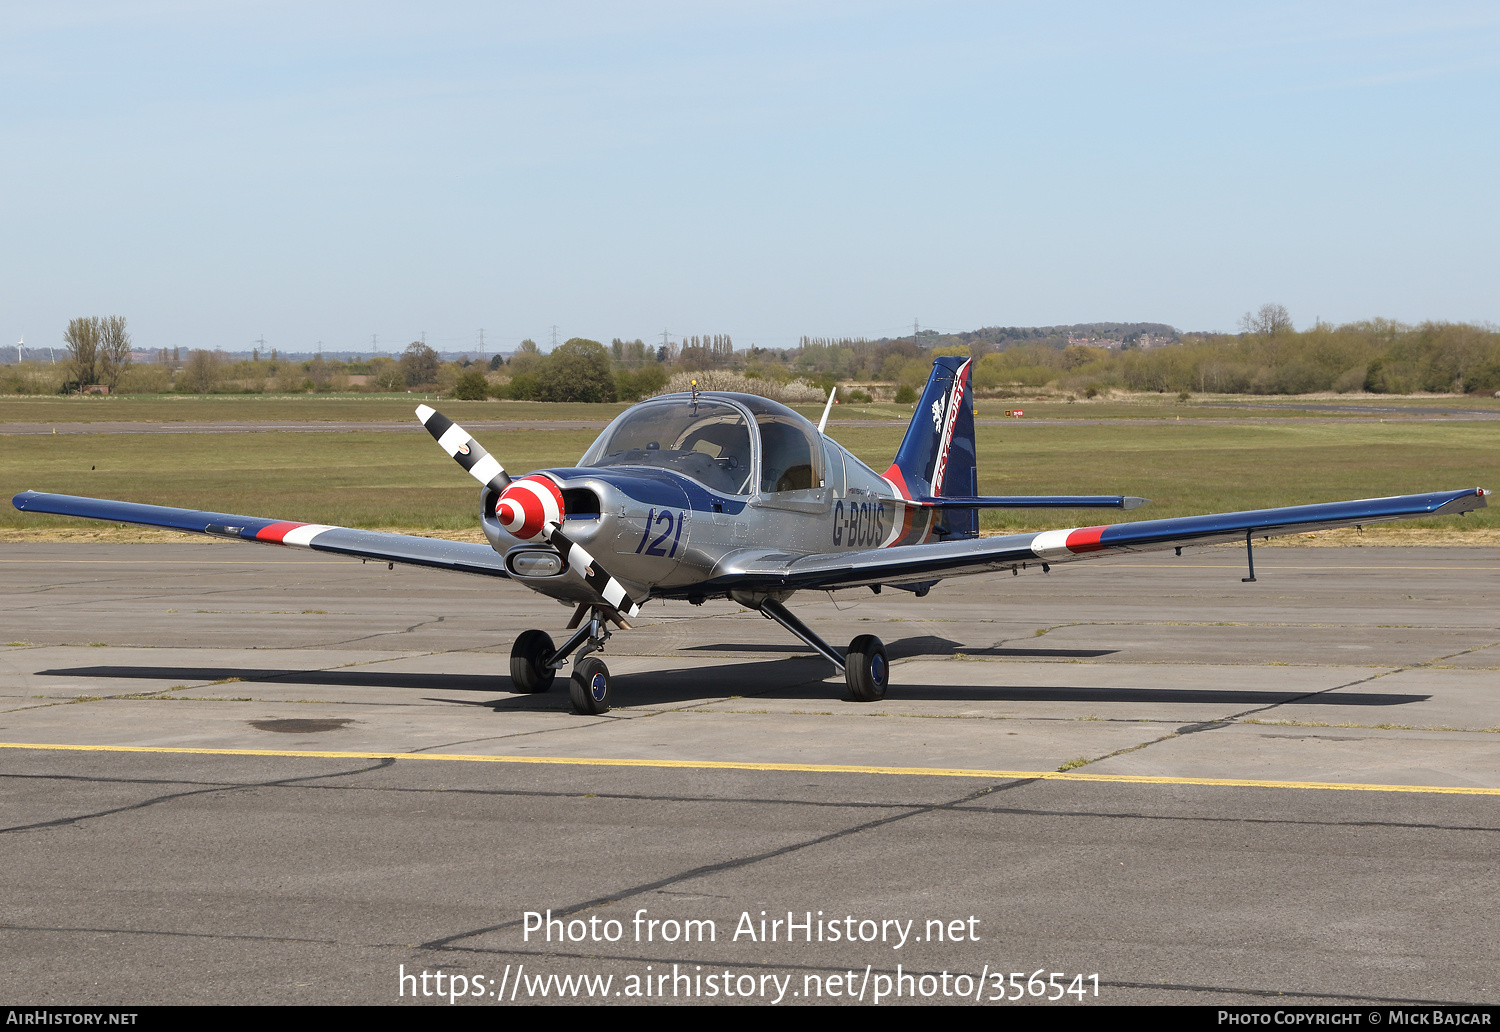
(1001, 337)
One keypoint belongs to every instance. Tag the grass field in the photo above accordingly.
(398, 407)
(274, 408)
(400, 480)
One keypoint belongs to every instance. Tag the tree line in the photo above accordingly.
(1268, 356)
(1378, 356)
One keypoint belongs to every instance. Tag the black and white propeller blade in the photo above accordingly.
(457, 442)
(530, 507)
(611, 590)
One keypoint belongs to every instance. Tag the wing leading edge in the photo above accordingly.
(461, 556)
(766, 570)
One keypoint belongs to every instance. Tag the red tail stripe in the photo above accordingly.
(1086, 539)
(276, 531)
(897, 480)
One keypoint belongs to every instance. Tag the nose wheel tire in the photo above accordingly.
(866, 668)
(589, 687)
(529, 672)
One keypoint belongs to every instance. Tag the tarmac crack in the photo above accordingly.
(229, 936)
(416, 626)
(519, 734)
(173, 796)
(657, 797)
(269, 678)
(730, 865)
(1233, 718)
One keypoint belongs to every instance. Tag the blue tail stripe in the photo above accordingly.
(921, 449)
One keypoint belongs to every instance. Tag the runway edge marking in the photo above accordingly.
(817, 768)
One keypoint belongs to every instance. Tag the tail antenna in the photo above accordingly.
(828, 408)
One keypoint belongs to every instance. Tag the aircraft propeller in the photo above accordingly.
(529, 508)
(466, 451)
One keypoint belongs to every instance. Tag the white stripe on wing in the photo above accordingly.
(304, 535)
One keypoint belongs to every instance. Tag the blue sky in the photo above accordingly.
(216, 172)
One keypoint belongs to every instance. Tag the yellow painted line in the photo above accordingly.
(815, 768)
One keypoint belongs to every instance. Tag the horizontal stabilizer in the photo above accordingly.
(1033, 502)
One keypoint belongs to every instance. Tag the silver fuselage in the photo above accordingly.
(664, 534)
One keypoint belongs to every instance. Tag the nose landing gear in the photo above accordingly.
(589, 687)
(529, 672)
(534, 663)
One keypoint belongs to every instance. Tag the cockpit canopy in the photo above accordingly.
(732, 443)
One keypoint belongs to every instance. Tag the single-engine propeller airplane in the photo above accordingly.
(715, 495)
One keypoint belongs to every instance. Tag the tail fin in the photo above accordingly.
(937, 458)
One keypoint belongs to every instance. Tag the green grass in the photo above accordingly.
(1197, 468)
(1166, 406)
(281, 408)
(398, 407)
(400, 479)
(357, 479)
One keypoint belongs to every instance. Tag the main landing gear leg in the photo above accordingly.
(865, 667)
(534, 663)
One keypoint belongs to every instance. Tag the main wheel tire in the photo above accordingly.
(529, 672)
(867, 669)
(590, 686)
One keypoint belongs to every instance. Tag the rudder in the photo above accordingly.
(937, 457)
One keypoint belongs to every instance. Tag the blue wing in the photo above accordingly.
(771, 570)
(462, 556)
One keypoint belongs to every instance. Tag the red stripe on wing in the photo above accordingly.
(1086, 539)
(276, 531)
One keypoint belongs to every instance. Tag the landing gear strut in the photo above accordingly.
(534, 663)
(865, 667)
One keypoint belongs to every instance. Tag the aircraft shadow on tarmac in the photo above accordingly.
(911, 648)
(797, 677)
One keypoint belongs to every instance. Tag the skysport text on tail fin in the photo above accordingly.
(937, 458)
(937, 464)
